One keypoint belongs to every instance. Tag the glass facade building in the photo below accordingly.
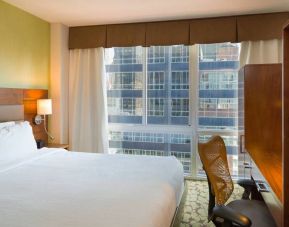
(218, 97)
(150, 103)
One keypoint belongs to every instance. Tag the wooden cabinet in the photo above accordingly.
(263, 120)
(266, 135)
(286, 125)
(262, 102)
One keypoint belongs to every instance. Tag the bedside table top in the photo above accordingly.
(57, 145)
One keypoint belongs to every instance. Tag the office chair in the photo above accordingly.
(244, 212)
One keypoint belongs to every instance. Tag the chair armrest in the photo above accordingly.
(228, 214)
(248, 185)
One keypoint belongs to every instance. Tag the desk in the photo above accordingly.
(270, 198)
(261, 92)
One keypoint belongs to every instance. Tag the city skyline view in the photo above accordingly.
(151, 106)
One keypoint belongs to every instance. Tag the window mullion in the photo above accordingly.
(169, 98)
(194, 86)
(193, 103)
(145, 80)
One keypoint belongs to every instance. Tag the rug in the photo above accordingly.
(195, 213)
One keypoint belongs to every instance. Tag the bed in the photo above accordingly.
(55, 187)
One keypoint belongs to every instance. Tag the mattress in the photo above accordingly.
(57, 188)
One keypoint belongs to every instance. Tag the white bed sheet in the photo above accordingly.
(56, 188)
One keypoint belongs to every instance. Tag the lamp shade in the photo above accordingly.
(44, 106)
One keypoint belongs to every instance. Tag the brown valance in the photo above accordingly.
(167, 33)
(87, 37)
(261, 27)
(213, 30)
(120, 35)
(209, 30)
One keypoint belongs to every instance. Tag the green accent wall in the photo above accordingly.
(24, 49)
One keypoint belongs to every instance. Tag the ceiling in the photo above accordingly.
(90, 12)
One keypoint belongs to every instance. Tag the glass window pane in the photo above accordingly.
(168, 80)
(156, 54)
(149, 87)
(125, 84)
(218, 86)
(218, 97)
(151, 143)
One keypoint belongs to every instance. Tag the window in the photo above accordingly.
(125, 74)
(148, 87)
(218, 98)
(162, 143)
(180, 80)
(218, 107)
(151, 101)
(124, 106)
(156, 54)
(128, 55)
(180, 54)
(218, 80)
(156, 107)
(125, 81)
(156, 80)
(141, 152)
(180, 107)
(219, 52)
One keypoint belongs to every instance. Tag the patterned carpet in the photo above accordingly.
(196, 204)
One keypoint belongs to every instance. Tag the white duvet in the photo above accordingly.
(56, 188)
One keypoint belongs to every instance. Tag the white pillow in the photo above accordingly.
(7, 124)
(17, 140)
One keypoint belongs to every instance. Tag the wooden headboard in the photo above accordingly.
(27, 98)
(11, 113)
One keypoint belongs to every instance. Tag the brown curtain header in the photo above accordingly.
(167, 33)
(261, 27)
(120, 35)
(87, 37)
(209, 30)
(213, 30)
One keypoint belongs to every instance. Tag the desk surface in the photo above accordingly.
(271, 199)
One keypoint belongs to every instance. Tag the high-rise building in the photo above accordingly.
(149, 99)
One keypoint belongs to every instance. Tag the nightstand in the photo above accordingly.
(57, 145)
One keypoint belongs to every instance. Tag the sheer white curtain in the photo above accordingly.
(87, 101)
(261, 52)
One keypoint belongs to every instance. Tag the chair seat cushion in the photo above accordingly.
(256, 210)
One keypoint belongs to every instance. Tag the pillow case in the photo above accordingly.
(16, 141)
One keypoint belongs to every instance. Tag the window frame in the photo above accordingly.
(192, 129)
(186, 130)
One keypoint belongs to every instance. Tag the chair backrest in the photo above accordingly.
(214, 158)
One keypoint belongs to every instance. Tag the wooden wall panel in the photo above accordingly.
(30, 97)
(263, 120)
(286, 126)
(11, 96)
(27, 97)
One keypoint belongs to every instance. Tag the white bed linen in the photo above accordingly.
(56, 188)
(16, 142)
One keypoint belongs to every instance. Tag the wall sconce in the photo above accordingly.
(44, 107)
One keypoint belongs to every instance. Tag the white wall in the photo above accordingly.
(59, 82)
